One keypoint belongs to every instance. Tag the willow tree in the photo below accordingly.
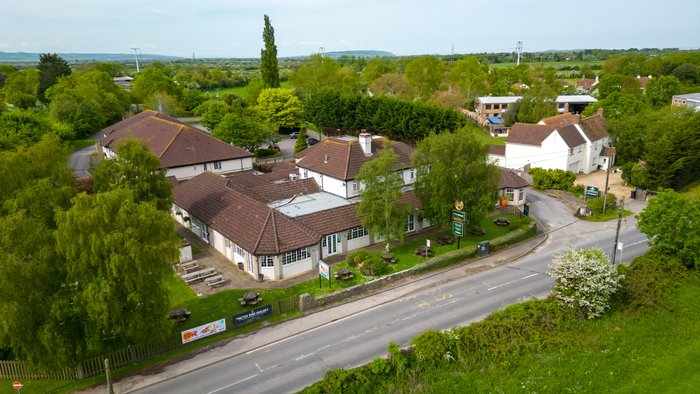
(268, 57)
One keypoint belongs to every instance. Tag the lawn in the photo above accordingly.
(80, 144)
(610, 214)
(691, 190)
(482, 136)
(240, 91)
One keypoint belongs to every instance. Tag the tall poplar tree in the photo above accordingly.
(268, 57)
(51, 68)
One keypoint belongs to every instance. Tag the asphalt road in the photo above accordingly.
(295, 362)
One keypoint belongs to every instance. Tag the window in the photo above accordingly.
(357, 232)
(217, 165)
(521, 194)
(295, 255)
(238, 250)
(250, 262)
(413, 174)
(510, 193)
(267, 261)
(571, 151)
(354, 186)
(306, 173)
(580, 148)
(204, 166)
(411, 224)
(227, 243)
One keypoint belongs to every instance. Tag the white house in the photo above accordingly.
(183, 150)
(563, 142)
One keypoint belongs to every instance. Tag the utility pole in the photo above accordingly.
(519, 50)
(617, 233)
(607, 178)
(108, 375)
(136, 56)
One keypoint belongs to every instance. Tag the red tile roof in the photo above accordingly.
(595, 127)
(571, 136)
(250, 224)
(341, 159)
(561, 120)
(175, 143)
(511, 179)
(499, 150)
(529, 134)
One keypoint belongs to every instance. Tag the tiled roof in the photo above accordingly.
(571, 136)
(607, 151)
(341, 159)
(560, 120)
(595, 127)
(510, 179)
(499, 150)
(250, 224)
(586, 83)
(175, 143)
(529, 134)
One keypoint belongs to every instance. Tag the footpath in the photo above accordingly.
(279, 332)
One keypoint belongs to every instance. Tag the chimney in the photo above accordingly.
(366, 143)
(599, 111)
(566, 108)
(325, 158)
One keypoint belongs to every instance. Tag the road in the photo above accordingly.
(297, 361)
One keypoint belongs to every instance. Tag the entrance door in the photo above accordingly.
(330, 244)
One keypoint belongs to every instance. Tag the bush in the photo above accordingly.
(585, 281)
(577, 189)
(596, 204)
(552, 179)
(356, 258)
(266, 152)
(374, 266)
(647, 281)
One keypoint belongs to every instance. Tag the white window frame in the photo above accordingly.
(204, 166)
(267, 261)
(413, 174)
(521, 194)
(357, 232)
(295, 256)
(510, 194)
(238, 250)
(410, 223)
(217, 165)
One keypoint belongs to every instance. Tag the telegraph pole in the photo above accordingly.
(519, 49)
(136, 56)
(617, 233)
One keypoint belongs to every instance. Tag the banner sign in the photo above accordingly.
(252, 315)
(203, 331)
(592, 191)
(324, 270)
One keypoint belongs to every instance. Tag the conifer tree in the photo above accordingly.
(268, 57)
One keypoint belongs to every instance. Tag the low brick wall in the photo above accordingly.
(308, 302)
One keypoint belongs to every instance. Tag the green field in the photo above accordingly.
(482, 136)
(240, 91)
(556, 65)
(691, 190)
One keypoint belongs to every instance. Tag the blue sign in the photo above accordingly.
(252, 315)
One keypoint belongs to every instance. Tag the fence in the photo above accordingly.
(132, 354)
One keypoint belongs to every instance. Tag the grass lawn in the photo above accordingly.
(484, 137)
(240, 91)
(610, 214)
(691, 190)
(80, 144)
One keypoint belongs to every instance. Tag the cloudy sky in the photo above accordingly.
(233, 28)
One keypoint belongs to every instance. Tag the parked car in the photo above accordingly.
(311, 141)
(294, 135)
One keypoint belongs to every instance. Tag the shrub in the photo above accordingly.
(577, 189)
(552, 179)
(596, 204)
(434, 347)
(647, 281)
(373, 266)
(356, 258)
(585, 281)
(266, 152)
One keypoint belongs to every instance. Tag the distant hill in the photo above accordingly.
(9, 57)
(337, 54)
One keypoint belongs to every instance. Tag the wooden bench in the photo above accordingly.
(215, 281)
(196, 276)
(189, 266)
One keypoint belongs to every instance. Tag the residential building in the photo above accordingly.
(574, 103)
(586, 85)
(691, 100)
(497, 155)
(494, 105)
(511, 188)
(562, 142)
(183, 150)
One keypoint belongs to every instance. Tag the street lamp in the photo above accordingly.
(194, 153)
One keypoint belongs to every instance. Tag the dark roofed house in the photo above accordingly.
(511, 187)
(183, 150)
(281, 223)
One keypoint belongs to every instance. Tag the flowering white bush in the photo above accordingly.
(585, 280)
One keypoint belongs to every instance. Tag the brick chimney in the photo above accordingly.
(366, 143)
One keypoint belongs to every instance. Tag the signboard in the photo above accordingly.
(203, 331)
(324, 270)
(427, 243)
(16, 385)
(526, 209)
(592, 191)
(457, 229)
(619, 246)
(252, 315)
(459, 205)
(458, 216)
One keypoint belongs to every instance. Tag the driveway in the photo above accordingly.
(615, 183)
(82, 160)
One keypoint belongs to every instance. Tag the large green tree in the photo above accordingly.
(426, 74)
(660, 90)
(537, 103)
(268, 57)
(469, 76)
(453, 167)
(317, 72)
(246, 130)
(137, 169)
(672, 223)
(51, 68)
(21, 88)
(26, 127)
(383, 214)
(280, 108)
(152, 81)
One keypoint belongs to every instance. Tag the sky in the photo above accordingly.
(233, 28)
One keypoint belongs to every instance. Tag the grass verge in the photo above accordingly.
(608, 215)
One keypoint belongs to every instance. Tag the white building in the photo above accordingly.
(183, 150)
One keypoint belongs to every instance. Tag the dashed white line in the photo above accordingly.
(233, 384)
(511, 282)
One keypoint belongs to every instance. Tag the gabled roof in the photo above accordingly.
(342, 159)
(498, 99)
(529, 134)
(511, 179)
(587, 83)
(560, 120)
(175, 143)
(595, 127)
(250, 224)
(571, 136)
(498, 150)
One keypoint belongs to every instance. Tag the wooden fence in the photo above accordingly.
(132, 354)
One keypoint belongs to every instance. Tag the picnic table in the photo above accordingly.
(180, 315)
(250, 298)
(215, 281)
(344, 274)
(424, 251)
(445, 240)
(389, 258)
(501, 221)
(189, 266)
(199, 275)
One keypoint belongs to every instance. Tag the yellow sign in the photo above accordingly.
(459, 205)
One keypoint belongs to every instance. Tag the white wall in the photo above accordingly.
(406, 175)
(358, 243)
(554, 153)
(327, 183)
(227, 167)
(297, 268)
(496, 160)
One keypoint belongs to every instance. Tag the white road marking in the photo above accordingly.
(233, 384)
(511, 282)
